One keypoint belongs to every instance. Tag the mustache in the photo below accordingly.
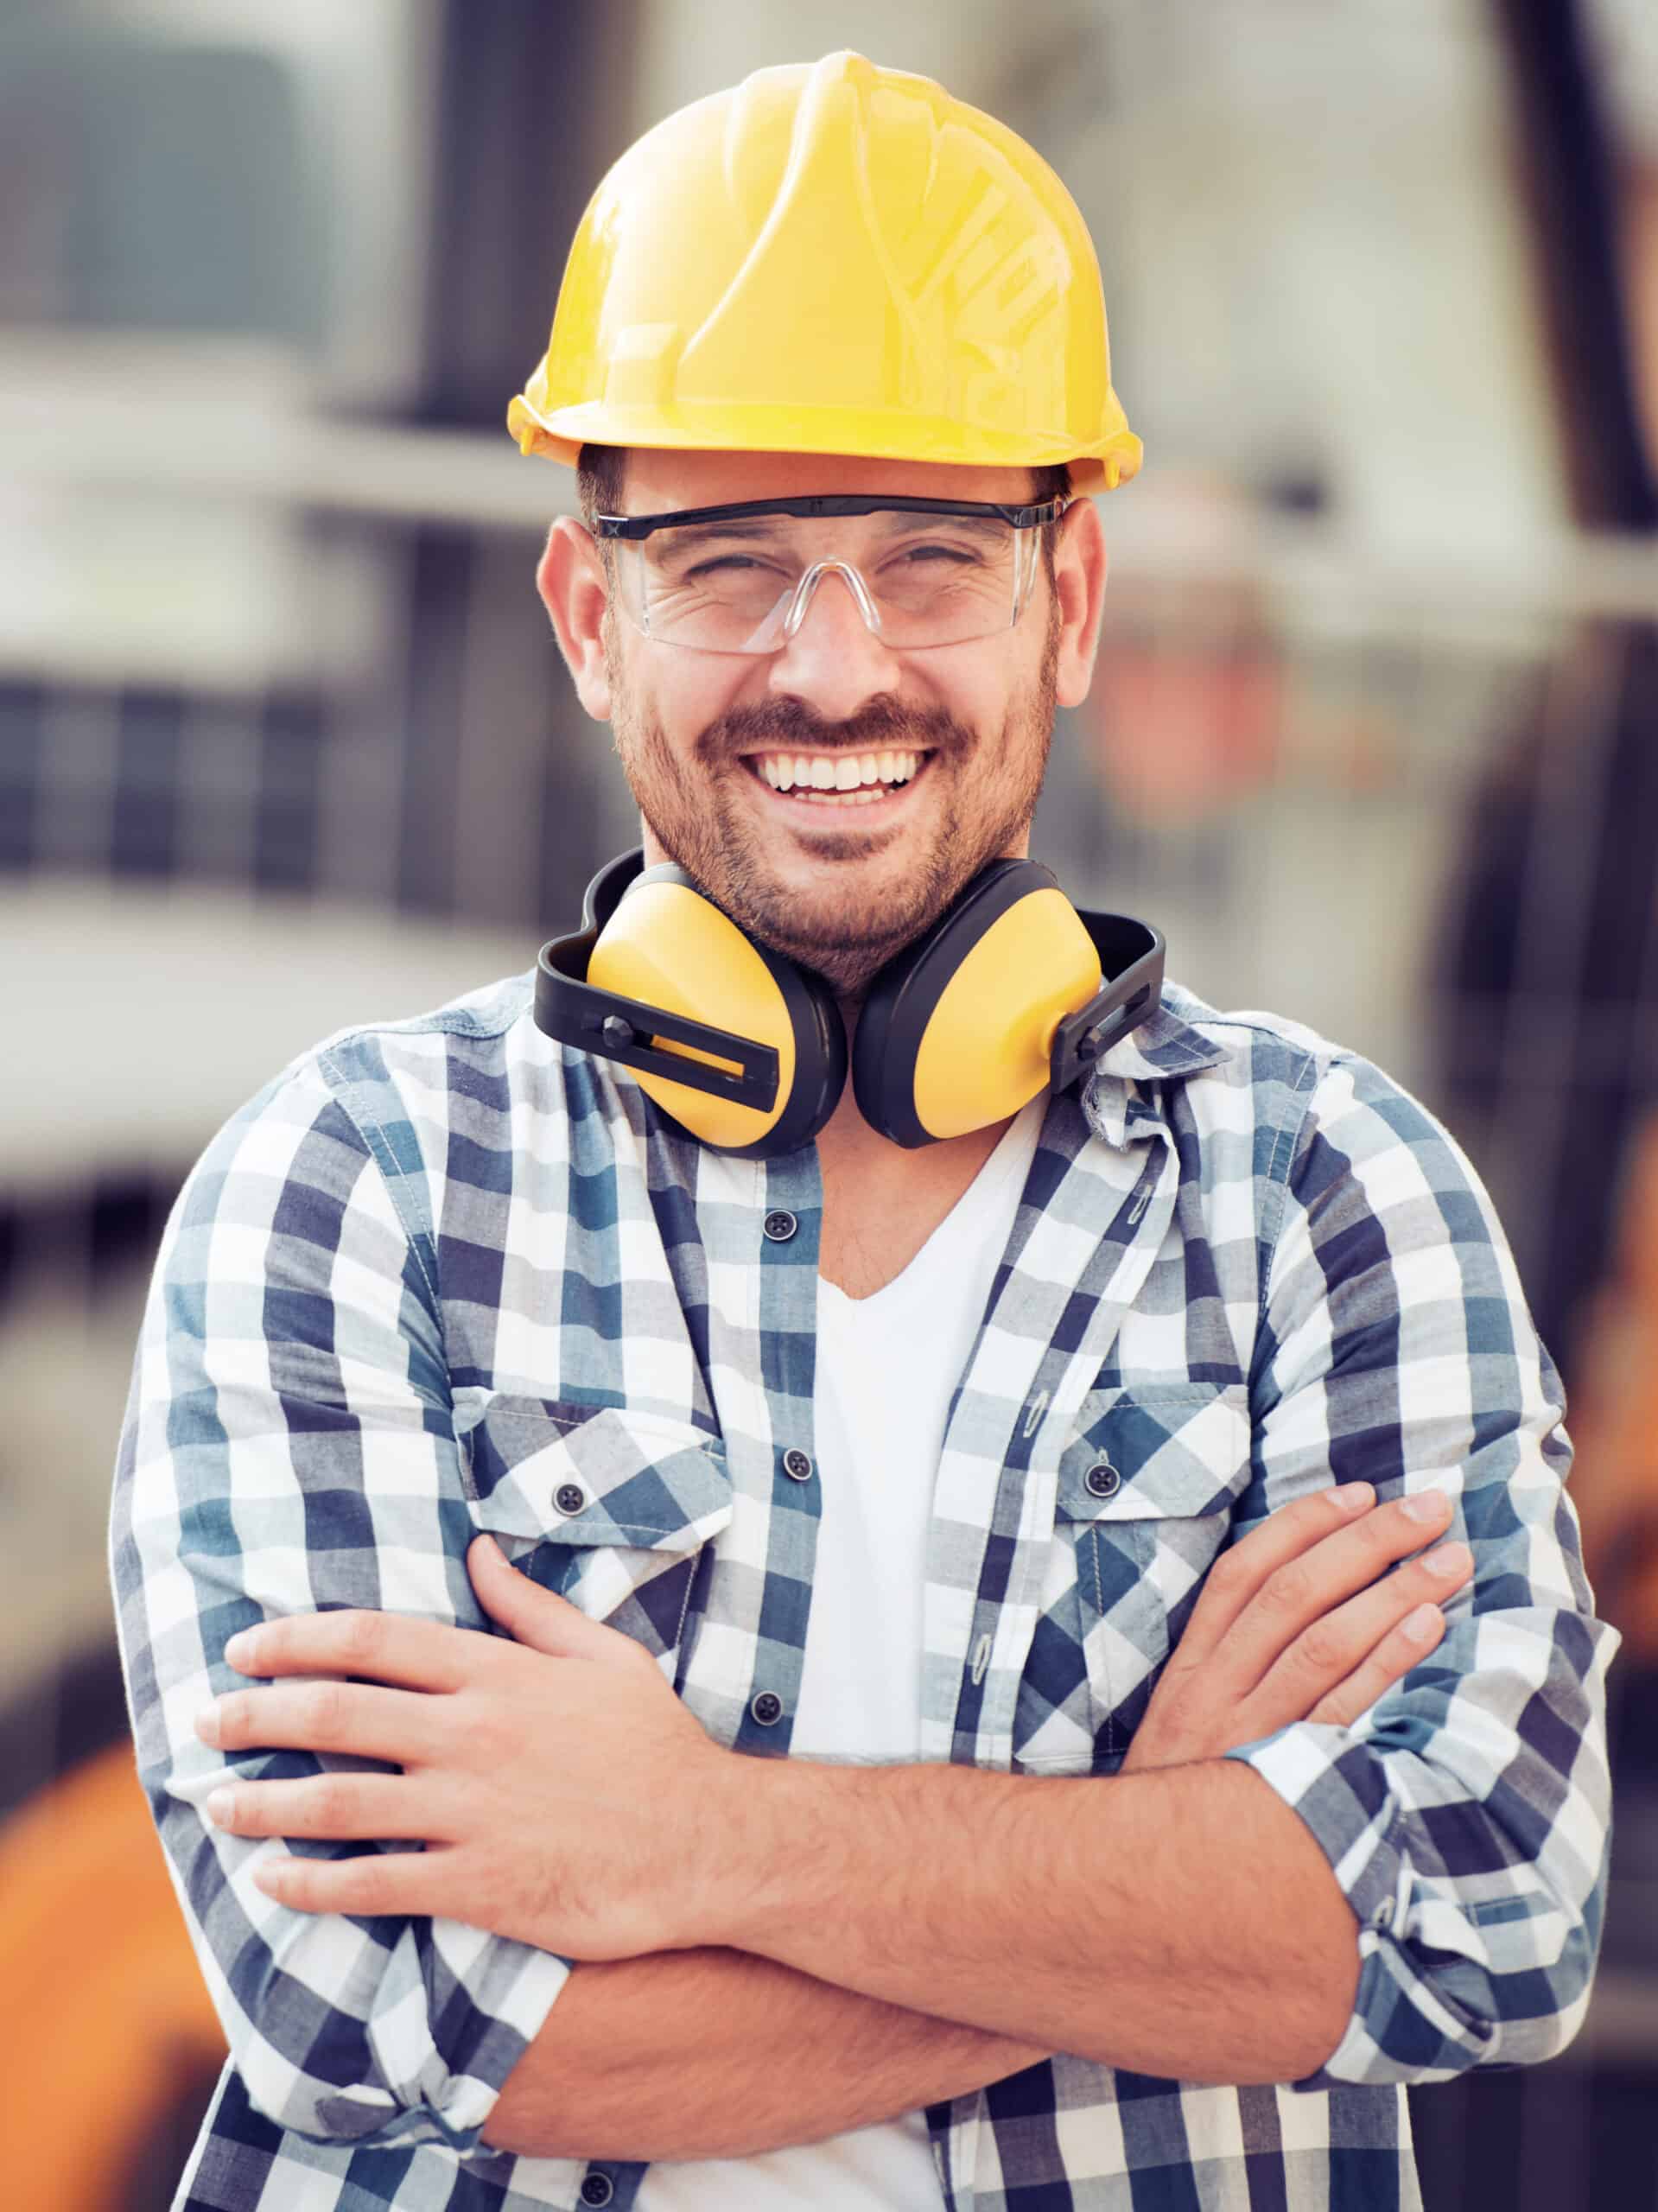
(790, 726)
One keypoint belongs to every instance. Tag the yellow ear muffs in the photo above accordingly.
(1012, 989)
(1001, 997)
(744, 1050)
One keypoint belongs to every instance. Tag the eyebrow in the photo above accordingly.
(978, 525)
(750, 526)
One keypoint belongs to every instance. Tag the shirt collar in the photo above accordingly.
(1165, 1048)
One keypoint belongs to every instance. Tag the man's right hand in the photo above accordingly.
(1303, 1621)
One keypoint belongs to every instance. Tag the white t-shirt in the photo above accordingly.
(887, 1367)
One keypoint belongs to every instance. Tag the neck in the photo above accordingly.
(880, 1202)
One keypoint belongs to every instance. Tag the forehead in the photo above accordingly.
(658, 481)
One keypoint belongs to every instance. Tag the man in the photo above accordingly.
(1064, 1495)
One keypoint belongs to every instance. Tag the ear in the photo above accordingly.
(574, 590)
(1079, 567)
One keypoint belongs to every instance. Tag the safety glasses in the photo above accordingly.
(739, 578)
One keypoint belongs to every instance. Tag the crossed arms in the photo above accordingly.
(906, 1933)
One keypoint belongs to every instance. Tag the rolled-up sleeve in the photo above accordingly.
(1466, 1815)
(289, 1447)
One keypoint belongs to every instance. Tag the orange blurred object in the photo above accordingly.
(1183, 728)
(106, 2018)
(1611, 1419)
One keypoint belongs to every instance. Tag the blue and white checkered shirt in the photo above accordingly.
(443, 1275)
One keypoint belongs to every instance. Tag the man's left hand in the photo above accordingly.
(563, 1793)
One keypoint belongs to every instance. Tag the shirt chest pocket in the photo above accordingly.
(610, 1508)
(1145, 1492)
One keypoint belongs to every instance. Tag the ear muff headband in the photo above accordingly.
(745, 1051)
(1008, 993)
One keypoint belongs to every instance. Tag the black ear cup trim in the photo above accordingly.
(820, 1059)
(904, 995)
(574, 1012)
(607, 889)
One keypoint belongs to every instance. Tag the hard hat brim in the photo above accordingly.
(861, 432)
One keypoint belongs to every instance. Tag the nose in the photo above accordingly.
(834, 661)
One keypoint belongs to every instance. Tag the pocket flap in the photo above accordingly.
(1151, 1451)
(578, 1474)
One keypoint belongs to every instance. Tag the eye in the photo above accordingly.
(955, 555)
(723, 564)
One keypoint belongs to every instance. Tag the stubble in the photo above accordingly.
(696, 811)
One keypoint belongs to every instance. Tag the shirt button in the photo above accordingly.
(767, 1708)
(597, 2190)
(780, 1226)
(1103, 1481)
(569, 1497)
(798, 1466)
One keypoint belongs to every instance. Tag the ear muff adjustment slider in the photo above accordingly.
(633, 1034)
(1121, 1005)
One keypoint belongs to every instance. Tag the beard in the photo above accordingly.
(692, 807)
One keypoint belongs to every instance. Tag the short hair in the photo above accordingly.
(599, 473)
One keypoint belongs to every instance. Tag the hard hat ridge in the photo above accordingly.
(834, 258)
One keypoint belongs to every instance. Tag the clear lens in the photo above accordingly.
(745, 586)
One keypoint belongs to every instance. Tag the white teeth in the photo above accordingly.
(841, 771)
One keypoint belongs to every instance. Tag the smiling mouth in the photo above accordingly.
(838, 779)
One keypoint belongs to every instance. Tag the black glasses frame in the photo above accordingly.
(812, 505)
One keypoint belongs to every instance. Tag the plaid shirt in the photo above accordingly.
(443, 1274)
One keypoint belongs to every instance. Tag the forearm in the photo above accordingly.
(1182, 1922)
(711, 2053)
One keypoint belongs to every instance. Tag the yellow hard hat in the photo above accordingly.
(836, 258)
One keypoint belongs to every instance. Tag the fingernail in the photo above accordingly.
(1353, 1498)
(1449, 1561)
(240, 1647)
(1423, 1625)
(221, 1806)
(208, 1723)
(1427, 1505)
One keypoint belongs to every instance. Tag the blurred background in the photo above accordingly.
(285, 742)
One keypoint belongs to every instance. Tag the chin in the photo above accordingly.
(845, 934)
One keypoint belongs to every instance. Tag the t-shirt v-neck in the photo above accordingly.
(993, 1192)
(887, 1368)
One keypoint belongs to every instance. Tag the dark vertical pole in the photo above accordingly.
(533, 104)
(1567, 175)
